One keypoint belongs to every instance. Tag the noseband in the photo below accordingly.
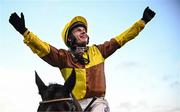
(56, 100)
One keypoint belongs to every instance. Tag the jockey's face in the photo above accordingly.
(80, 34)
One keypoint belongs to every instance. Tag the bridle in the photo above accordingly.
(56, 100)
(67, 99)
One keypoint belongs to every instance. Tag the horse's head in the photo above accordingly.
(56, 97)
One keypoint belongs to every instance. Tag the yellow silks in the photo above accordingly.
(130, 33)
(95, 58)
(37, 46)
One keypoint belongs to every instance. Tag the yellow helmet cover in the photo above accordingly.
(69, 24)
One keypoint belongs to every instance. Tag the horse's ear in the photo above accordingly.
(70, 82)
(40, 84)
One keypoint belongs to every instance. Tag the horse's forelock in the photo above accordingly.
(56, 91)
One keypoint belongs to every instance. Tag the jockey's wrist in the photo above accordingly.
(26, 33)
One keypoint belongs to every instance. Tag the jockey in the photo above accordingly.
(88, 61)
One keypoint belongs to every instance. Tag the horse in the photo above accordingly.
(57, 97)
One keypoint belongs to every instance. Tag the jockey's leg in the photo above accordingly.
(99, 105)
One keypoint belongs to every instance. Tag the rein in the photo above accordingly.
(56, 100)
(67, 99)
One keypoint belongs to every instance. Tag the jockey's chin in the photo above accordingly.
(82, 43)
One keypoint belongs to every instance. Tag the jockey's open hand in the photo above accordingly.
(148, 15)
(18, 22)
